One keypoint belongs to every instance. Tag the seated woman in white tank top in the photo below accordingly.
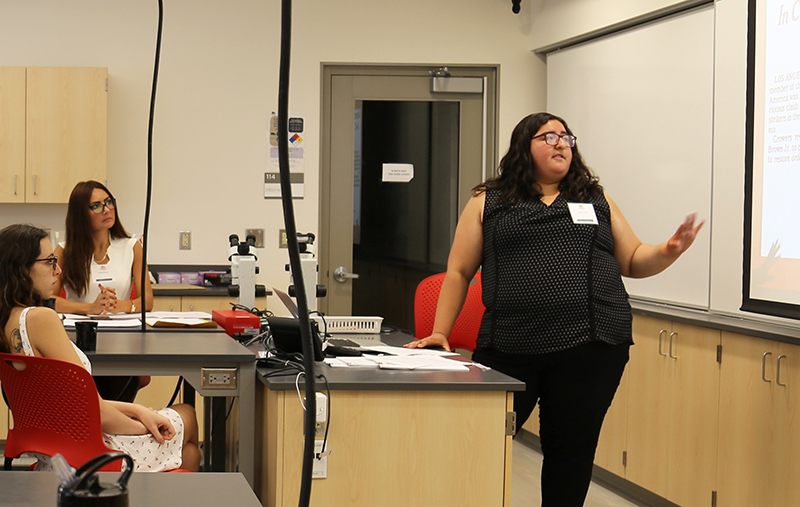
(156, 440)
(100, 264)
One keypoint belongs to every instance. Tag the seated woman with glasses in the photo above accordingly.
(100, 264)
(156, 440)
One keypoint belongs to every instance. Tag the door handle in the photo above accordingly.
(778, 373)
(660, 338)
(673, 337)
(764, 366)
(341, 274)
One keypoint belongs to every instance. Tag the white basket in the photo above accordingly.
(349, 324)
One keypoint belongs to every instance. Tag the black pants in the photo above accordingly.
(574, 389)
(117, 388)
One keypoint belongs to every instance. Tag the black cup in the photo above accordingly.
(86, 335)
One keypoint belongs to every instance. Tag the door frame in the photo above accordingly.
(489, 73)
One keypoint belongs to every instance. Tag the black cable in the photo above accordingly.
(149, 193)
(175, 392)
(294, 251)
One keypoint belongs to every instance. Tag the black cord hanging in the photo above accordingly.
(294, 253)
(149, 192)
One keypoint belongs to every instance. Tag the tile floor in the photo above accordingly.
(525, 486)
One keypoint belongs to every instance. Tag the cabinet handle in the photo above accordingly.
(191, 308)
(170, 308)
(778, 373)
(660, 338)
(15, 184)
(671, 341)
(34, 184)
(764, 366)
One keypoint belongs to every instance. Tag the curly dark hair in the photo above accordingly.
(79, 247)
(20, 246)
(516, 179)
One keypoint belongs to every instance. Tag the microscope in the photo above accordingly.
(308, 264)
(243, 271)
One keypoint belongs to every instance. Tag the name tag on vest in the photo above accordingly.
(582, 213)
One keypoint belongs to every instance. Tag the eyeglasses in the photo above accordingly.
(552, 138)
(52, 260)
(97, 207)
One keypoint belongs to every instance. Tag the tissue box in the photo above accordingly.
(169, 277)
(191, 278)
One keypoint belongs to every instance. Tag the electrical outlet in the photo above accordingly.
(218, 378)
(258, 233)
(185, 240)
(283, 242)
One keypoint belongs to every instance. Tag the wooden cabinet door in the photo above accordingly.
(66, 130)
(747, 423)
(167, 304)
(694, 415)
(12, 134)
(786, 456)
(648, 438)
(206, 303)
(612, 443)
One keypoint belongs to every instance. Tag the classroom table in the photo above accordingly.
(36, 489)
(185, 354)
(398, 438)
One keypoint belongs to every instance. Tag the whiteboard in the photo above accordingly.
(641, 104)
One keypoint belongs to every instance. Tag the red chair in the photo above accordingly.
(465, 330)
(55, 408)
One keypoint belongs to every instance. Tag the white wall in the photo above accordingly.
(555, 21)
(218, 84)
(730, 89)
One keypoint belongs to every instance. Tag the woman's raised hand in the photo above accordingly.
(684, 236)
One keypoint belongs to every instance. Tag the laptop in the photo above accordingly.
(332, 347)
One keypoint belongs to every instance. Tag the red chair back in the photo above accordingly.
(55, 408)
(465, 330)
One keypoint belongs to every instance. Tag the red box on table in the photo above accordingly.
(237, 321)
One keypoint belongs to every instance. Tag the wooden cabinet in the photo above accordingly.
(53, 131)
(12, 134)
(197, 303)
(673, 410)
(4, 417)
(385, 451)
(759, 431)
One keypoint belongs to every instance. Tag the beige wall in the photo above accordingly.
(554, 21)
(218, 84)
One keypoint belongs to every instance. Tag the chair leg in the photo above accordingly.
(7, 463)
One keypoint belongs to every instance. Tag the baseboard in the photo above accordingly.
(608, 480)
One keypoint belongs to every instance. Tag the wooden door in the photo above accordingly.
(649, 372)
(66, 132)
(747, 417)
(12, 134)
(694, 415)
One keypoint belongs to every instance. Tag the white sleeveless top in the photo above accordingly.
(116, 273)
(148, 455)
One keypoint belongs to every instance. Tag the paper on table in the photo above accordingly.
(354, 362)
(178, 315)
(153, 322)
(420, 363)
(402, 351)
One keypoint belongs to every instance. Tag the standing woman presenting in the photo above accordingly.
(100, 263)
(552, 248)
